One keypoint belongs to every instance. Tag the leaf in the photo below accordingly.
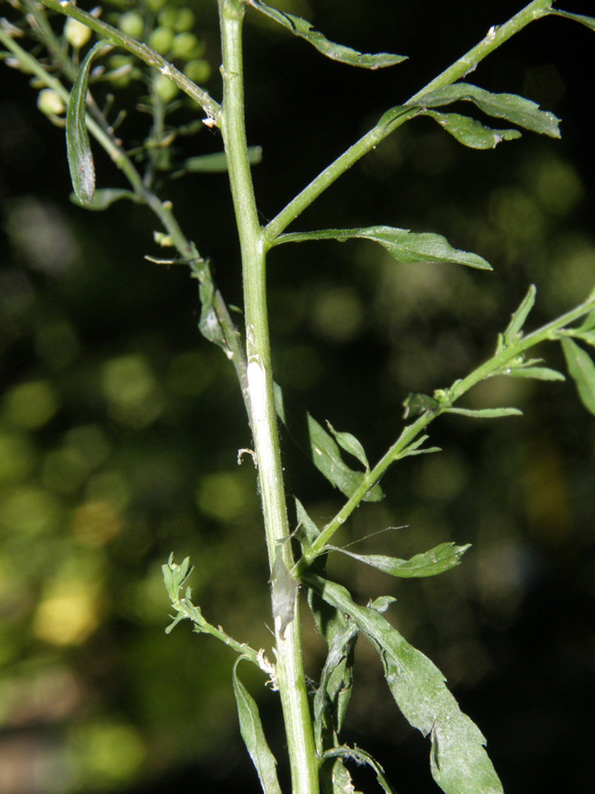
(305, 523)
(539, 373)
(587, 336)
(350, 444)
(217, 162)
(80, 157)
(344, 753)
(589, 22)
(517, 321)
(284, 593)
(471, 132)
(337, 52)
(485, 413)
(516, 109)
(588, 324)
(459, 761)
(321, 448)
(431, 563)
(104, 198)
(404, 245)
(581, 368)
(415, 404)
(253, 736)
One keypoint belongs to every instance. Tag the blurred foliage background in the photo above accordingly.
(120, 425)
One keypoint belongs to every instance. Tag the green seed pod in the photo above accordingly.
(164, 88)
(168, 17)
(184, 21)
(184, 45)
(132, 24)
(198, 70)
(75, 33)
(161, 39)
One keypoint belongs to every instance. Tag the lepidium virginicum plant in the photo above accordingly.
(157, 43)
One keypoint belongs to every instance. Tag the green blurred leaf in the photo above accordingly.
(253, 736)
(589, 22)
(104, 198)
(459, 761)
(513, 330)
(217, 162)
(587, 336)
(485, 413)
(350, 444)
(581, 369)
(471, 132)
(588, 324)
(430, 563)
(337, 52)
(80, 157)
(321, 448)
(516, 109)
(406, 246)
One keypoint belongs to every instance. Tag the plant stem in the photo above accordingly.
(493, 366)
(394, 118)
(290, 672)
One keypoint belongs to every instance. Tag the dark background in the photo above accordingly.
(120, 425)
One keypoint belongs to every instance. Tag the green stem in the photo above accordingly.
(290, 672)
(493, 366)
(394, 118)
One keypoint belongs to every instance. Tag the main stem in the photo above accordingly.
(290, 671)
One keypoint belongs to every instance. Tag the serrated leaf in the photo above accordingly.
(350, 444)
(321, 448)
(581, 368)
(519, 317)
(589, 22)
(253, 735)
(485, 413)
(217, 162)
(104, 198)
(516, 109)
(337, 52)
(470, 132)
(430, 563)
(538, 373)
(78, 146)
(404, 245)
(459, 761)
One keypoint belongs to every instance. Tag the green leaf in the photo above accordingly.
(588, 324)
(253, 736)
(414, 447)
(284, 592)
(516, 109)
(589, 22)
(321, 448)
(513, 330)
(350, 444)
(485, 413)
(587, 336)
(104, 198)
(471, 132)
(80, 157)
(581, 368)
(406, 246)
(459, 761)
(310, 530)
(415, 404)
(344, 753)
(538, 373)
(337, 52)
(431, 563)
(217, 162)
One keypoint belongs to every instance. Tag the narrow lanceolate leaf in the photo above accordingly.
(404, 245)
(350, 444)
(581, 368)
(486, 413)
(431, 563)
(307, 529)
(519, 317)
(217, 162)
(537, 373)
(470, 132)
(80, 157)
(511, 107)
(321, 448)
(458, 758)
(253, 736)
(337, 52)
(588, 324)
(589, 22)
(587, 336)
(104, 198)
